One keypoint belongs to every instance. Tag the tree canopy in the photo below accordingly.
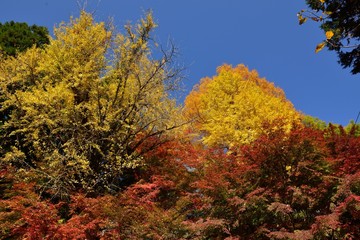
(340, 21)
(88, 149)
(17, 37)
(81, 109)
(231, 107)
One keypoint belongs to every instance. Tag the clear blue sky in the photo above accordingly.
(262, 34)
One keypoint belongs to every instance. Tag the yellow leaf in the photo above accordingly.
(302, 20)
(322, 1)
(329, 34)
(319, 47)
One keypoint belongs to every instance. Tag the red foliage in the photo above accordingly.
(39, 221)
(221, 172)
(24, 214)
(285, 159)
(278, 184)
(301, 184)
(349, 215)
(344, 149)
(172, 159)
(89, 218)
(147, 194)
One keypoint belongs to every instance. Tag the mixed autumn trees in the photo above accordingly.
(302, 184)
(89, 148)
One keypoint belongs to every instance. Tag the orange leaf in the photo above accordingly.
(319, 47)
(302, 20)
(329, 34)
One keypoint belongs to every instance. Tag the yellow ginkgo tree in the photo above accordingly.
(79, 113)
(232, 107)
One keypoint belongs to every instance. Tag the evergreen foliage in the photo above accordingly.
(16, 37)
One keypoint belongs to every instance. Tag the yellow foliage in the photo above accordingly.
(231, 107)
(81, 109)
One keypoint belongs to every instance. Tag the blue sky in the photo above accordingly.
(262, 34)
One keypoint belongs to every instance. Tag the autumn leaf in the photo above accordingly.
(319, 47)
(302, 20)
(316, 19)
(328, 12)
(329, 34)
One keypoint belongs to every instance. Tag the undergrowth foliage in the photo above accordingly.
(295, 185)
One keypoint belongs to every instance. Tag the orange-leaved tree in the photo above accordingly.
(231, 107)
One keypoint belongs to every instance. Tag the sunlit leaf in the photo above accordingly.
(319, 47)
(316, 19)
(302, 20)
(329, 34)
